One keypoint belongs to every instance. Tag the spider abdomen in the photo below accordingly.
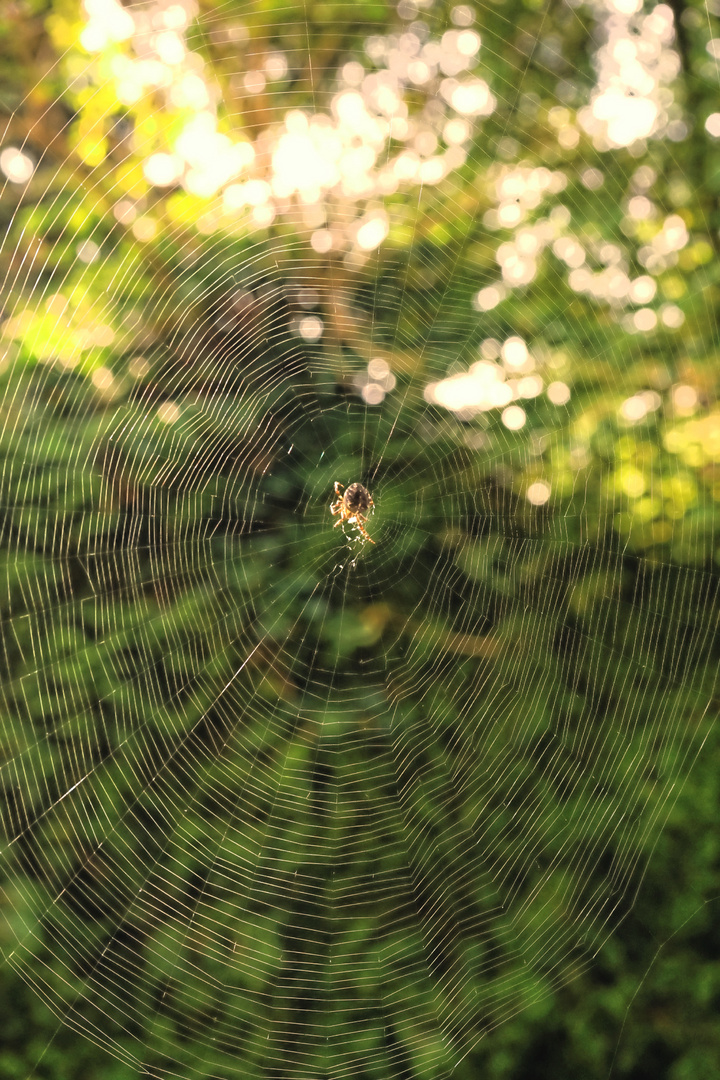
(357, 499)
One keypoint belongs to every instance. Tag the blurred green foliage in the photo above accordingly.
(149, 562)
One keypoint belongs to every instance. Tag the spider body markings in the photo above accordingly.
(353, 507)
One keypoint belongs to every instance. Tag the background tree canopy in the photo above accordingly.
(279, 802)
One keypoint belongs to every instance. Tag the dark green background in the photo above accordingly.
(144, 563)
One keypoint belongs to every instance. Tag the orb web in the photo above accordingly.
(277, 801)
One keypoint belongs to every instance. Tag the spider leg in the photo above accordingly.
(360, 522)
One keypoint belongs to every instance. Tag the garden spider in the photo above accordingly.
(353, 507)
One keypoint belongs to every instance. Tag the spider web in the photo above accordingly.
(279, 802)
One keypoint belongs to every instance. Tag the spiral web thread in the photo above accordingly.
(278, 802)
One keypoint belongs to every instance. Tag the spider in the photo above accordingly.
(353, 507)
